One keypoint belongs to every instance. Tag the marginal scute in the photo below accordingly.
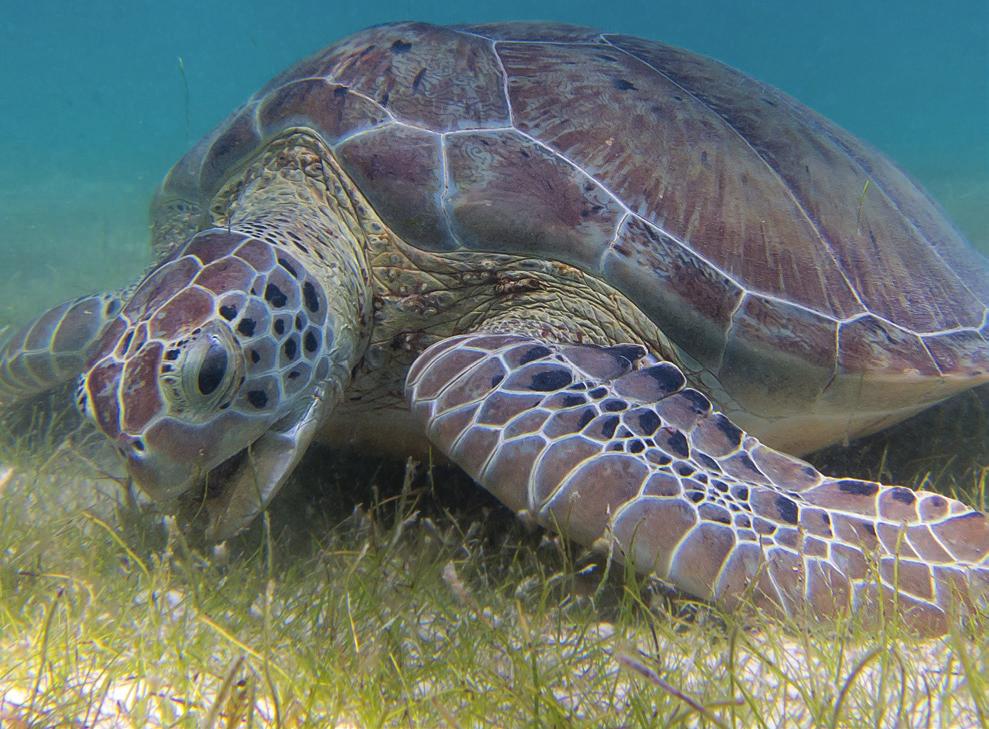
(689, 299)
(777, 353)
(234, 144)
(963, 352)
(869, 344)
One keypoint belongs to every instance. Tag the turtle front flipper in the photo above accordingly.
(53, 348)
(613, 453)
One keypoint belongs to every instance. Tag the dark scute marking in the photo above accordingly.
(310, 342)
(742, 493)
(172, 355)
(279, 326)
(630, 352)
(401, 46)
(291, 348)
(937, 502)
(293, 374)
(636, 446)
(903, 495)
(598, 392)
(339, 92)
(678, 443)
(496, 380)
(709, 463)
(274, 296)
(669, 378)
(624, 433)
(570, 400)
(246, 327)
(869, 528)
(299, 322)
(609, 426)
(257, 398)
(255, 357)
(698, 402)
(858, 488)
(213, 369)
(732, 432)
(649, 422)
(614, 406)
(112, 307)
(418, 80)
(749, 464)
(310, 297)
(585, 417)
(228, 312)
(125, 344)
(288, 267)
(695, 496)
(550, 380)
(685, 469)
(533, 354)
(623, 84)
(138, 445)
(787, 509)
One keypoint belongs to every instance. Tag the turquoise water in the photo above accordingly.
(95, 109)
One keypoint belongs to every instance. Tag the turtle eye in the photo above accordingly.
(213, 367)
(200, 375)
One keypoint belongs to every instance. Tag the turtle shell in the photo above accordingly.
(785, 258)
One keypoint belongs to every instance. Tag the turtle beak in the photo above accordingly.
(159, 476)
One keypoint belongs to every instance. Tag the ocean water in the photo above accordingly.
(100, 98)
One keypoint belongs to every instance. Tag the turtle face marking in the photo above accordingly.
(216, 346)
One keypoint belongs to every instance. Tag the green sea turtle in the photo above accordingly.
(612, 280)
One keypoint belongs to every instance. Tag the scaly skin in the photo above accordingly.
(234, 352)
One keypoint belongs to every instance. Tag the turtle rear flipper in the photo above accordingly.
(52, 349)
(627, 457)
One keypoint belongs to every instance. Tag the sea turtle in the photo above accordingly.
(611, 279)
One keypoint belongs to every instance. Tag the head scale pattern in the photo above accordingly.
(215, 345)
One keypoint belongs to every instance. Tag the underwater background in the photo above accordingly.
(100, 98)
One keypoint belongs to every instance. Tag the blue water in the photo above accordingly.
(94, 110)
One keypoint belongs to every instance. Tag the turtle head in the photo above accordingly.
(211, 379)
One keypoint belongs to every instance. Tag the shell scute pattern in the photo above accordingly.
(707, 197)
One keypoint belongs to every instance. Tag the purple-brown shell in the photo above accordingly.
(747, 226)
